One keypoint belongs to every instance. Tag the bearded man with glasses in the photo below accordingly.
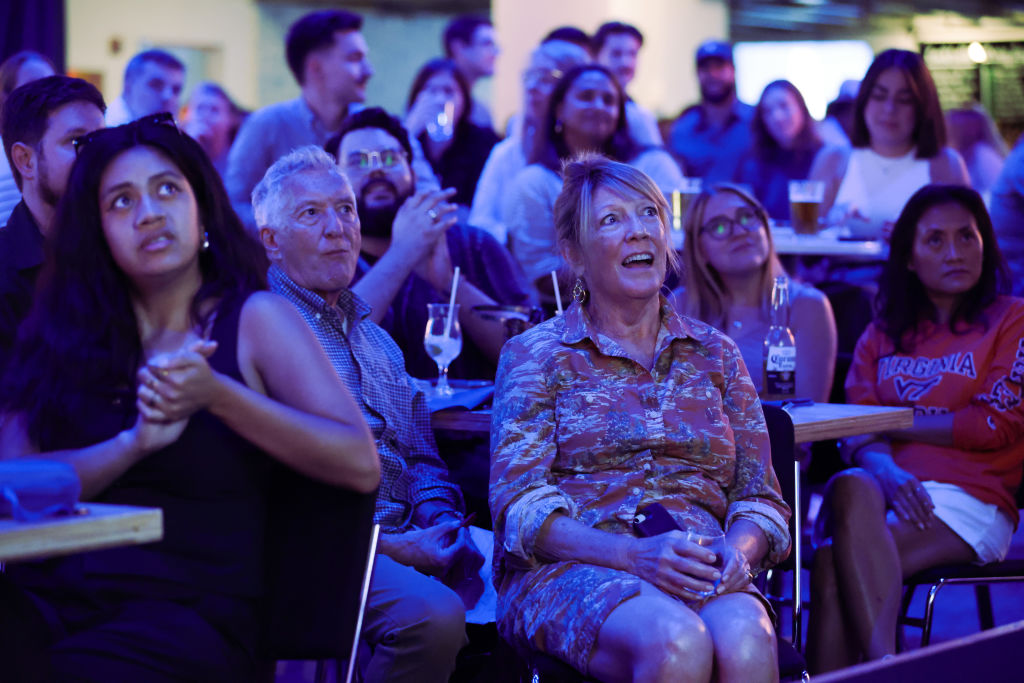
(411, 244)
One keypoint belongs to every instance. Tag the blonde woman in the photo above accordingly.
(729, 264)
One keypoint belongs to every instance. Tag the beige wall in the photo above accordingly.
(240, 44)
(672, 30)
(222, 34)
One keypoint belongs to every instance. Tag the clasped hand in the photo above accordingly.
(173, 386)
(438, 550)
(681, 567)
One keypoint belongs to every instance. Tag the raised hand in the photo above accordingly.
(175, 385)
(421, 222)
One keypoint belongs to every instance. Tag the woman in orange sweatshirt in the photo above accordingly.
(948, 343)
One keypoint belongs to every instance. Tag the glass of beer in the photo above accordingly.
(805, 198)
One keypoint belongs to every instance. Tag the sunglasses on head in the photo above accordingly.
(164, 118)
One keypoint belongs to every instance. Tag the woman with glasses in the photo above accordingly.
(586, 113)
(615, 405)
(438, 116)
(547, 64)
(947, 342)
(153, 366)
(729, 265)
(899, 146)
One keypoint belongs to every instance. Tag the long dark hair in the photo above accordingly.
(81, 336)
(902, 302)
(765, 145)
(550, 148)
(930, 126)
(431, 69)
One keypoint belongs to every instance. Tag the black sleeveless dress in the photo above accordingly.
(211, 485)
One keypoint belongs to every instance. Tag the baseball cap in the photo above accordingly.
(714, 48)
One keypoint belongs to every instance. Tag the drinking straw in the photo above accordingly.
(451, 304)
(558, 295)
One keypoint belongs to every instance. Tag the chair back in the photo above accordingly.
(318, 548)
(783, 442)
(787, 470)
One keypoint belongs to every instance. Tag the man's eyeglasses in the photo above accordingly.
(724, 227)
(164, 118)
(368, 158)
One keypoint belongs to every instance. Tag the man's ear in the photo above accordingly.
(25, 160)
(457, 47)
(269, 240)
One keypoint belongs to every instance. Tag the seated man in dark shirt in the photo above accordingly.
(41, 119)
(405, 264)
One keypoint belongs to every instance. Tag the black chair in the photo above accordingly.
(981, 577)
(792, 665)
(321, 542)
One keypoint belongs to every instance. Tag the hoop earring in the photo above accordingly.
(205, 246)
(579, 291)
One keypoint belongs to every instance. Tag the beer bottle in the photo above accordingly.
(779, 348)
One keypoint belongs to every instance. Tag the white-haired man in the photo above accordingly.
(306, 214)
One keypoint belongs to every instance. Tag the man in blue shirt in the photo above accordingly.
(709, 139)
(330, 60)
(415, 626)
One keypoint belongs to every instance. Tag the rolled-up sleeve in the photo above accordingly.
(755, 494)
(523, 448)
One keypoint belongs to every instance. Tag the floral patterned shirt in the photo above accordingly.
(580, 428)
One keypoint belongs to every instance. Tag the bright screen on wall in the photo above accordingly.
(816, 68)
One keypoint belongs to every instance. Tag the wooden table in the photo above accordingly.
(98, 527)
(787, 242)
(826, 421)
(818, 422)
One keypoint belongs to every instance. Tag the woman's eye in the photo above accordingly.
(609, 219)
(121, 201)
(167, 189)
(650, 211)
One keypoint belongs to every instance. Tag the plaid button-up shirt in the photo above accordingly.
(372, 367)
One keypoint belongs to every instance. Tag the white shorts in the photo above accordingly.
(983, 526)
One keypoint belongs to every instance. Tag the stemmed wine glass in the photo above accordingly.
(442, 347)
